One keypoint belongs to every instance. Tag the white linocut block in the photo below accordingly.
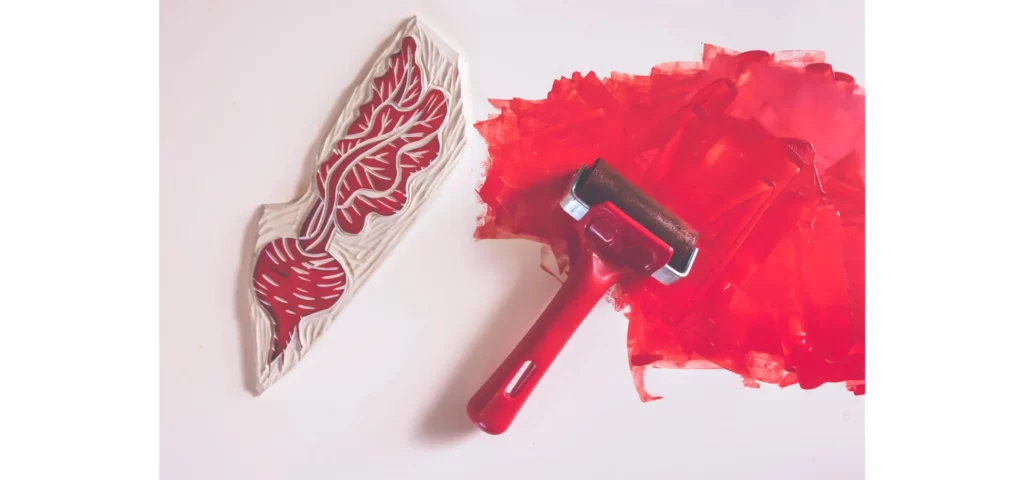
(397, 140)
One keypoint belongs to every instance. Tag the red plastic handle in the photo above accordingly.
(497, 402)
(612, 244)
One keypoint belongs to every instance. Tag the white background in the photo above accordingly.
(248, 89)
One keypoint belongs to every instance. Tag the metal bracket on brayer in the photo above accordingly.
(577, 209)
(573, 205)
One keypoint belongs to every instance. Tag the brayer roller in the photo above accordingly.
(622, 231)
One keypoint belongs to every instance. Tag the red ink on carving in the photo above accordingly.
(394, 135)
(763, 155)
(292, 283)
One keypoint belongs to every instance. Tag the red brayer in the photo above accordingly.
(621, 231)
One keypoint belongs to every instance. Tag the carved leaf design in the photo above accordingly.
(395, 135)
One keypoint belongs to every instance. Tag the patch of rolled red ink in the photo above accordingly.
(763, 154)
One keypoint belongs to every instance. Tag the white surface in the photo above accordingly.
(248, 90)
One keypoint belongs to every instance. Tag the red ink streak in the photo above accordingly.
(763, 154)
(394, 135)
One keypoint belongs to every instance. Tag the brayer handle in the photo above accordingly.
(497, 402)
